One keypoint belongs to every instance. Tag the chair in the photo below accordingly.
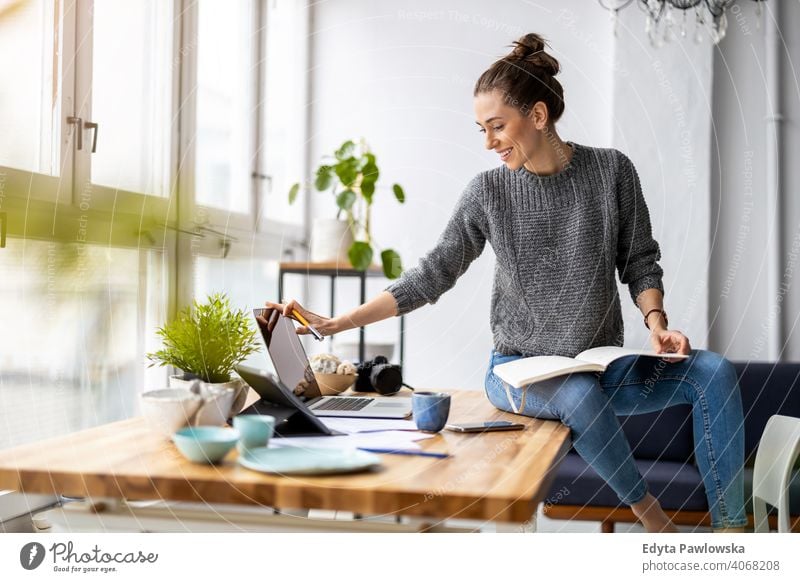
(777, 452)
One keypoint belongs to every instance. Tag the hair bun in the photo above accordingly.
(530, 49)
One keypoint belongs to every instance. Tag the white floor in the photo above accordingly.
(547, 525)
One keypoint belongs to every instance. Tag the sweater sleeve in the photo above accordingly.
(637, 251)
(462, 241)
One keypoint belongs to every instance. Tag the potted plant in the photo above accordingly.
(350, 175)
(205, 341)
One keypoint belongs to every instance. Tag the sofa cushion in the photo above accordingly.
(767, 389)
(662, 445)
(664, 435)
(676, 485)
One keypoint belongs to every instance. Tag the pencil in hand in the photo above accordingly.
(299, 317)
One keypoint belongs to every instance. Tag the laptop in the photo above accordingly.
(295, 375)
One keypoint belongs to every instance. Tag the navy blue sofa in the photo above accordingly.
(662, 446)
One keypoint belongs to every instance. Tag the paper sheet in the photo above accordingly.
(356, 425)
(396, 440)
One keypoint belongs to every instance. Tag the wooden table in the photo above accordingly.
(499, 476)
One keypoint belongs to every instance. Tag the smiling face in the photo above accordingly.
(515, 137)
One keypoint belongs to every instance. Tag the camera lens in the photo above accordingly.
(386, 378)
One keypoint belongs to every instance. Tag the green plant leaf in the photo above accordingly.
(370, 174)
(346, 150)
(360, 254)
(398, 193)
(370, 169)
(364, 159)
(368, 190)
(392, 265)
(207, 340)
(293, 192)
(324, 178)
(346, 199)
(347, 171)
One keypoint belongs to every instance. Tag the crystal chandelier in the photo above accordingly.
(667, 19)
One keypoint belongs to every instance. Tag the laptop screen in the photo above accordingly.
(287, 353)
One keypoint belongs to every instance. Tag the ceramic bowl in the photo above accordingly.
(333, 384)
(205, 444)
(170, 409)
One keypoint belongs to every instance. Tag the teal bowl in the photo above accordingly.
(205, 444)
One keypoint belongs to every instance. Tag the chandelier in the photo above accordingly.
(666, 19)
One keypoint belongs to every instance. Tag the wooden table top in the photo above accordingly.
(499, 476)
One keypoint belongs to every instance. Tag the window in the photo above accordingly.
(226, 113)
(115, 102)
(131, 95)
(282, 151)
(30, 105)
(77, 320)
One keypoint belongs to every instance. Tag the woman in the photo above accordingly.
(561, 217)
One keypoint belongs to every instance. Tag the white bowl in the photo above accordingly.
(169, 409)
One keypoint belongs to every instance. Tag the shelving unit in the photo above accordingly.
(334, 271)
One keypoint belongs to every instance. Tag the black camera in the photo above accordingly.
(378, 375)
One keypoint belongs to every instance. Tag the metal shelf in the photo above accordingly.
(333, 271)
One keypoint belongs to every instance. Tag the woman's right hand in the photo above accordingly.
(324, 325)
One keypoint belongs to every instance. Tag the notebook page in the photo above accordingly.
(604, 355)
(524, 371)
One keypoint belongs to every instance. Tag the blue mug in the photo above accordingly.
(431, 410)
(255, 431)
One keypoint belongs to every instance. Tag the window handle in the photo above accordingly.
(3, 220)
(259, 176)
(96, 128)
(79, 131)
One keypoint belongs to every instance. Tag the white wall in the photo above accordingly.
(790, 181)
(662, 120)
(739, 226)
(743, 303)
(401, 74)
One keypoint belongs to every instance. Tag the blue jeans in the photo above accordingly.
(589, 404)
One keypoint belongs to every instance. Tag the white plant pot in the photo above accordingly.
(222, 401)
(330, 241)
(169, 409)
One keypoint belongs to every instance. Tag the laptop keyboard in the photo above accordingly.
(348, 403)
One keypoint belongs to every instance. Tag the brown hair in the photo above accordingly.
(525, 76)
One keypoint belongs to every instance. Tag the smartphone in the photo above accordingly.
(485, 426)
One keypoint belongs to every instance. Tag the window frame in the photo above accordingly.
(29, 185)
(51, 207)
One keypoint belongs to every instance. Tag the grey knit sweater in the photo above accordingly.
(558, 240)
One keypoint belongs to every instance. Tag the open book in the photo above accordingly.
(537, 368)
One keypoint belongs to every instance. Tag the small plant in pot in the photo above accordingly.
(350, 175)
(205, 342)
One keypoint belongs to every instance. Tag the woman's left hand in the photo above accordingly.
(670, 341)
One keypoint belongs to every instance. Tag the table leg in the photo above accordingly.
(361, 334)
(333, 308)
(402, 339)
